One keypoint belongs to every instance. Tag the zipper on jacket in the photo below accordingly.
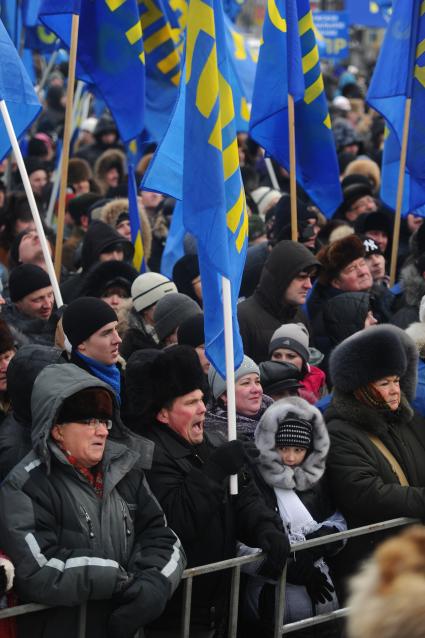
(88, 521)
(127, 529)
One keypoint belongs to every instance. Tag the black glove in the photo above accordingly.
(328, 548)
(319, 588)
(226, 460)
(251, 450)
(276, 546)
(149, 603)
(301, 568)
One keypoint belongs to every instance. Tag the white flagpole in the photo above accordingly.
(230, 371)
(32, 202)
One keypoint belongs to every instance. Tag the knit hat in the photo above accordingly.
(218, 385)
(278, 220)
(293, 336)
(337, 256)
(185, 270)
(85, 316)
(149, 288)
(25, 279)
(91, 403)
(293, 431)
(6, 339)
(371, 247)
(191, 331)
(277, 376)
(265, 197)
(171, 311)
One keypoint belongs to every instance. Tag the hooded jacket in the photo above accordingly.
(67, 545)
(260, 315)
(30, 329)
(15, 431)
(413, 290)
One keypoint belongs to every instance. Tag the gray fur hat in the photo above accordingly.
(374, 353)
(270, 465)
(218, 384)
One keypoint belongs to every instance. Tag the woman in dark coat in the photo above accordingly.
(376, 463)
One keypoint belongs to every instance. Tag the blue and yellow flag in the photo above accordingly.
(198, 163)
(289, 64)
(136, 230)
(110, 53)
(16, 90)
(400, 74)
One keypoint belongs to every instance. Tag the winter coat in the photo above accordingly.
(136, 337)
(15, 431)
(363, 485)
(413, 290)
(69, 546)
(260, 315)
(216, 419)
(199, 509)
(29, 330)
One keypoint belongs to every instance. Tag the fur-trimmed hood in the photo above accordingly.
(270, 465)
(416, 331)
(111, 211)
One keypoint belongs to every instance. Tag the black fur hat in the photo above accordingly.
(374, 353)
(157, 382)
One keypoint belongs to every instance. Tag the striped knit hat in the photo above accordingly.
(294, 432)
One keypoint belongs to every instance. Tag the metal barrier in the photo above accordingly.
(235, 564)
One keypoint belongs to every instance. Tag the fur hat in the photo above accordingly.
(148, 288)
(218, 385)
(154, 384)
(107, 274)
(80, 205)
(367, 167)
(91, 403)
(79, 170)
(171, 311)
(337, 256)
(370, 355)
(293, 336)
(378, 220)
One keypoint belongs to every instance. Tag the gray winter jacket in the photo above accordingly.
(67, 545)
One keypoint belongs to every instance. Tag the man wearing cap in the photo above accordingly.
(377, 226)
(189, 476)
(90, 325)
(376, 262)
(146, 290)
(31, 309)
(358, 198)
(284, 285)
(78, 519)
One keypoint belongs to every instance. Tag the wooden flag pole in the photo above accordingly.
(66, 144)
(400, 190)
(292, 169)
(230, 370)
(31, 200)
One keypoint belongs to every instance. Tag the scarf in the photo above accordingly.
(107, 373)
(295, 516)
(93, 476)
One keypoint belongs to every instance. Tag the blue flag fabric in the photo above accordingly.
(400, 73)
(136, 232)
(203, 170)
(174, 247)
(289, 64)
(16, 90)
(110, 53)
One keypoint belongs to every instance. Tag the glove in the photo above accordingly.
(328, 548)
(150, 602)
(226, 460)
(319, 588)
(251, 450)
(276, 546)
(301, 569)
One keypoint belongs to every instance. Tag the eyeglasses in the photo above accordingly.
(95, 423)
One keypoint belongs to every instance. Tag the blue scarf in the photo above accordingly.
(110, 374)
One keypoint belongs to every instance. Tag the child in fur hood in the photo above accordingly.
(293, 442)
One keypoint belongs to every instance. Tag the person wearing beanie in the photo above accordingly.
(189, 477)
(376, 262)
(105, 134)
(187, 277)
(170, 311)
(278, 223)
(7, 352)
(378, 226)
(90, 326)
(375, 466)
(293, 443)
(146, 290)
(191, 333)
(279, 379)
(357, 192)
(251, 403)
(26, 249)
(83, 507)
(265, 198)
(284, 284)
(30, 311)
(290, 344)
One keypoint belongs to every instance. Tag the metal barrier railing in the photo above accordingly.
(235, 564)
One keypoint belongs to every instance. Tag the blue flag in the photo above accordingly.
(174, 246)
(16, 90)
(399, 74)
(203, 170)
(289, 64)
(139, 262)
(110, 53)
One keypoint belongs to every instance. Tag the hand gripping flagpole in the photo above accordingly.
(292, 168)
(31, 199)
(230, 371)
(66, 143)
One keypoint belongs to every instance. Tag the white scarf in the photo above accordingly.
(296, 517)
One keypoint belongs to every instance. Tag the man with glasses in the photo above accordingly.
(77, 517)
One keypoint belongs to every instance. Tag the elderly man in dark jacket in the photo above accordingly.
(284, 284)
(189, 476)
(78, 519)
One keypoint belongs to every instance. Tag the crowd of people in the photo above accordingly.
(114, 458)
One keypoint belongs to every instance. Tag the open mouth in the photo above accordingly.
(198, 427)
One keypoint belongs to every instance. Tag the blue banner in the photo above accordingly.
(332, 27)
